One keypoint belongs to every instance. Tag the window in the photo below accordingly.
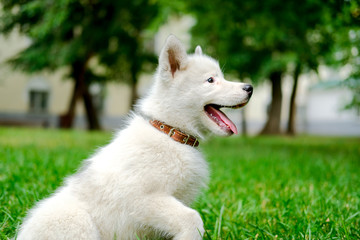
(38, 101)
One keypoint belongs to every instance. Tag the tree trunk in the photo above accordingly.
(67, 119)
(78, 74)
(292, 111)
(272, 125)
(133, 96)
(243, 123)
(91, 111)
(133, 83)
(81, 89)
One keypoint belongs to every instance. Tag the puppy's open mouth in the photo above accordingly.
(214, 113)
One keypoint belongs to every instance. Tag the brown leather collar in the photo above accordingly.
(175, 134)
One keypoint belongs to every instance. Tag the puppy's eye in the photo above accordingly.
(210, 80)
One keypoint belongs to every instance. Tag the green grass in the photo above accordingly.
(260, 188)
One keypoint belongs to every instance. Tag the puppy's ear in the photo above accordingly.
(198, 50)
(172, 58)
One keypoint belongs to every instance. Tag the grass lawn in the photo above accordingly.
(261, 187)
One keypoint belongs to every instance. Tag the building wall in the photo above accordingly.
(15, 87)
(12, 99)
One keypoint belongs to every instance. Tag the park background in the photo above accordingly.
(82, 64)
(307, 56)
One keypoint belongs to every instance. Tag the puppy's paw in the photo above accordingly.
(193, 227)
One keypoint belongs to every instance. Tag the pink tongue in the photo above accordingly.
(221, 117)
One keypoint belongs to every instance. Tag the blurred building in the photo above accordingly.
(39, 99)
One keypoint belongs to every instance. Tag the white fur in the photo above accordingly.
(142, 183)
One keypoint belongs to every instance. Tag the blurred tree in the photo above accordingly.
(346, 31)
(263, 40)
(73, 33)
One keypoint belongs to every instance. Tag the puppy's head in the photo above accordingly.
(189, 91)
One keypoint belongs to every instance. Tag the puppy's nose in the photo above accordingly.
(248, 88)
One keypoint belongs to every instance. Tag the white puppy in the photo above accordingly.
(140, 185)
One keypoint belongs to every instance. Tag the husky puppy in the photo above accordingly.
(141, 184)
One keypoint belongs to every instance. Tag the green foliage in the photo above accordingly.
(260, 188)
(348, 51)
(75, 34)
(256, 38)
(63, 32)
(345, 30)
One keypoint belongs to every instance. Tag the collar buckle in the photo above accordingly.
(186, 139)
(171, 132)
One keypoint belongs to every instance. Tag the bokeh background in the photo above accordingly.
(83, 64)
